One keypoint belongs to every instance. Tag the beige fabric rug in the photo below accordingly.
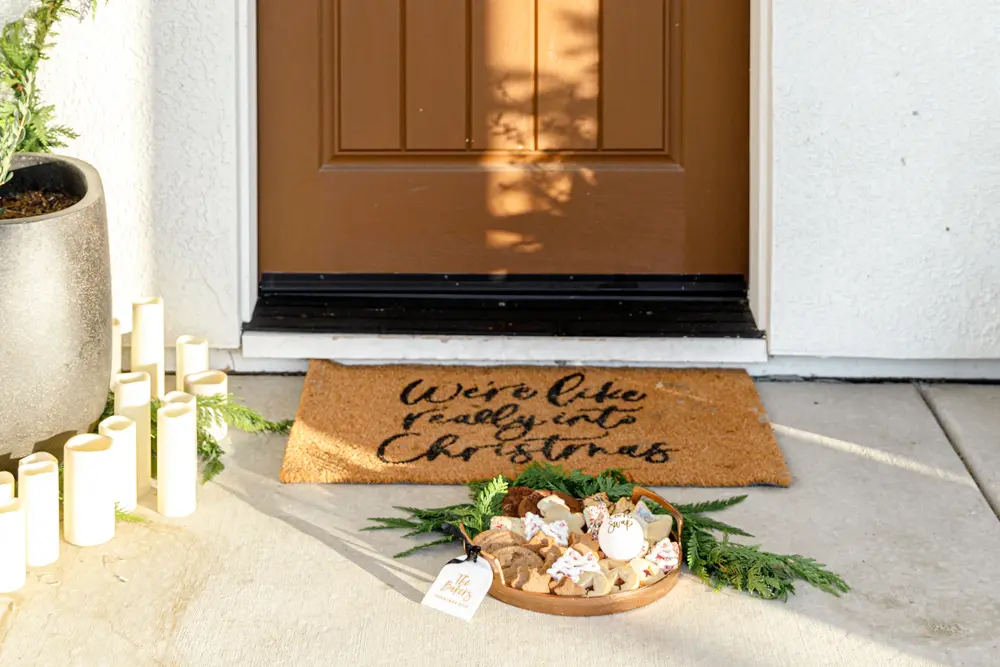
(454, 424)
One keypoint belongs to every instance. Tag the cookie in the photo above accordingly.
(567, 587)
(643, 513)
(609, 564)
(550, 555)
(532, 581)
(574, 504)
(539, 541)
(513, 499)
(599, 500)
(559, 531)
(553, 507)
(512, 524)
(659, 528)
(595, 583)
(585, 541)
(515, 557)
(529, 503)
(624, 579)
(623, 506)
(594, 516)
(649, 573)
(572, 564)
(665, 554)
(492, 540)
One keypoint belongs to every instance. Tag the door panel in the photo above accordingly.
(503, 136)
(635, 55)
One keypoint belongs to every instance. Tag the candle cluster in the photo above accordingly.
(113, 468)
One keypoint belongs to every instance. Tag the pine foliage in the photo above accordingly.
(212, 410)
(24, 44)
(718, 562)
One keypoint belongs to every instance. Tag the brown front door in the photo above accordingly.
(503, 136)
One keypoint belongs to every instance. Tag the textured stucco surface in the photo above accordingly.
(150, 86)
(887, 190)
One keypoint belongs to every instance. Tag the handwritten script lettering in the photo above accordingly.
(623, 522)
(459, 587)
(458, 421)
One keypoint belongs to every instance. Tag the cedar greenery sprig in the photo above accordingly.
(24, 44)
(719, 563)
(212, 410)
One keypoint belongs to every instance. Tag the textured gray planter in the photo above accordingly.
(55, 311)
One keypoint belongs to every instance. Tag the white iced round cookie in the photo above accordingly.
(621, 537)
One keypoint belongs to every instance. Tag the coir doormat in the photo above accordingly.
(455, 424)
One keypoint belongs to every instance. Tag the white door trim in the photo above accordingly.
(761, 158)
(761, 161)
(246, 153)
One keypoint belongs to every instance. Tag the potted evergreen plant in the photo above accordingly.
(55, 276)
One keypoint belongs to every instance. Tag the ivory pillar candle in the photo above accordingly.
(176, 459)
(132, 401)
(38, 491)
(6, 487)
(12, 549)
(89, 490)
(192, 357)
(122, 431)
(181, 397)
(147, 342)
(210, 383)
(116, 349)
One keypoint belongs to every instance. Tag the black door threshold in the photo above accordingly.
(477, 305)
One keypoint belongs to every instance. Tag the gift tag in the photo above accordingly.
(460, 587)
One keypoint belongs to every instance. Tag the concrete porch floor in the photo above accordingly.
(266, 574)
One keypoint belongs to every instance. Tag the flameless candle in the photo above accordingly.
(147, 342)
(12, 549)
(176, 459)
(192, 357)
(181, 397)
(210, 383)
(132, 401)
(89, 490)
(6, 487)
(38, 491)
(122, 431)
(116, 350)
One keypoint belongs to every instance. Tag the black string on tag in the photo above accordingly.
(471, 550)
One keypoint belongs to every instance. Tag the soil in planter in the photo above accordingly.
(32, 203)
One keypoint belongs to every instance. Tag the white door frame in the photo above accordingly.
(761, 157)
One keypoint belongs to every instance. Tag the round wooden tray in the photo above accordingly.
(596, 606)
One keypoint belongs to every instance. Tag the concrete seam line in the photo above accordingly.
(949, 432)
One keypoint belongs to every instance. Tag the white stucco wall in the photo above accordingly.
(887, 190)
(887, 168)
(150, 86)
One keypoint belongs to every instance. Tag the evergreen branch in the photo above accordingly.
(211, 411)
(710, 505)
(210, 453)
(425, 545)
(230, 409)
(488, 502)
(24, 44)
(391, 523)
(718, 563)
(707, 523)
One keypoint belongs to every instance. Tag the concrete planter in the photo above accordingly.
(55, 310)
